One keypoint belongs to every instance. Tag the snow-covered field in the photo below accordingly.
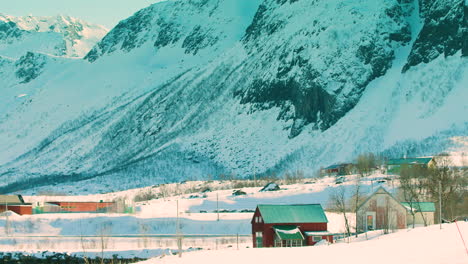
(422, 245)
(150, 232)
(153, 226)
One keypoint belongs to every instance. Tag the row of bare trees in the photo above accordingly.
(442, 183)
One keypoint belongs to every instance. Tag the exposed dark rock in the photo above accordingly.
(261, 26)
(127, 33)
(169, 34)
(299, 87)
(444, 31)
(197, 40)
(238, 192)
(270, 187)
(10, 30)
(30, 66)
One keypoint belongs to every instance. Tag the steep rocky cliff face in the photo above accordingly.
(317, 57)
(188, 25)
(444, 31)
(188, 89)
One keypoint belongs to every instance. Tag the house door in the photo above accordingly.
(370, 221)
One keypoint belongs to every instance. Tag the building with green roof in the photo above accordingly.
(420, 206)
(394, 165)
(420, 213)
(289, 225)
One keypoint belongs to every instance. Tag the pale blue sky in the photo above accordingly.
(104, 12)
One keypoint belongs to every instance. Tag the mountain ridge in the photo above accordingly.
(59, 35)
(172, 95)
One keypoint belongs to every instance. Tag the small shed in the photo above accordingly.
(424, 213)
(337, 169)
(15, 203)
(289, 225)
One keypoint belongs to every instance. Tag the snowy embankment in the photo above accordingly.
(425, 245)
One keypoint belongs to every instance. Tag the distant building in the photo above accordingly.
(15, 203)
(382, 211)
(81, 207)
(289, 225)
(394, 165)
(337, 169)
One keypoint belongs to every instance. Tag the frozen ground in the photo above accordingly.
(153, 225)
(425, 245)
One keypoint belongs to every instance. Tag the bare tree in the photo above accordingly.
(82, 242)
(338, 202)
(366, 163)
(364, 166)
(453, 181)
(412, 186)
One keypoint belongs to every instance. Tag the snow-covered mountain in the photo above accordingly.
(189, 89)
(59, 36)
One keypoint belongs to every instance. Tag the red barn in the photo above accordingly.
(85, 207)
(14, 203)
(289, 225)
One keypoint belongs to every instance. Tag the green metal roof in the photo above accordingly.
(421, 206)
(296, 213)
(288, 232)
(409, 161)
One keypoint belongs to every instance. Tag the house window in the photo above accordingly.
(296, 243)
(289, 243)
(316, 238)
(259, 239)
(370, 221)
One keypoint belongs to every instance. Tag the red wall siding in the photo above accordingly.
(256, 227)
(83, 206)
(19, 209)
(269, 232)
(401, 223)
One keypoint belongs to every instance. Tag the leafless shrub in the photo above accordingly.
(145, 195)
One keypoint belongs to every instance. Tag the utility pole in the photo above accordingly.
(255, 177)
(7, 224)
(440, 204)
(177, 217)
(217, 206)
(178, 234)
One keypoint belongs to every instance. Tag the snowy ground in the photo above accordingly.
(153, 225)
(416, 246)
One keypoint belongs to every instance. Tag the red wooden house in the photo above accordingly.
(82, 207)
(15, 203)
(289, 225)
